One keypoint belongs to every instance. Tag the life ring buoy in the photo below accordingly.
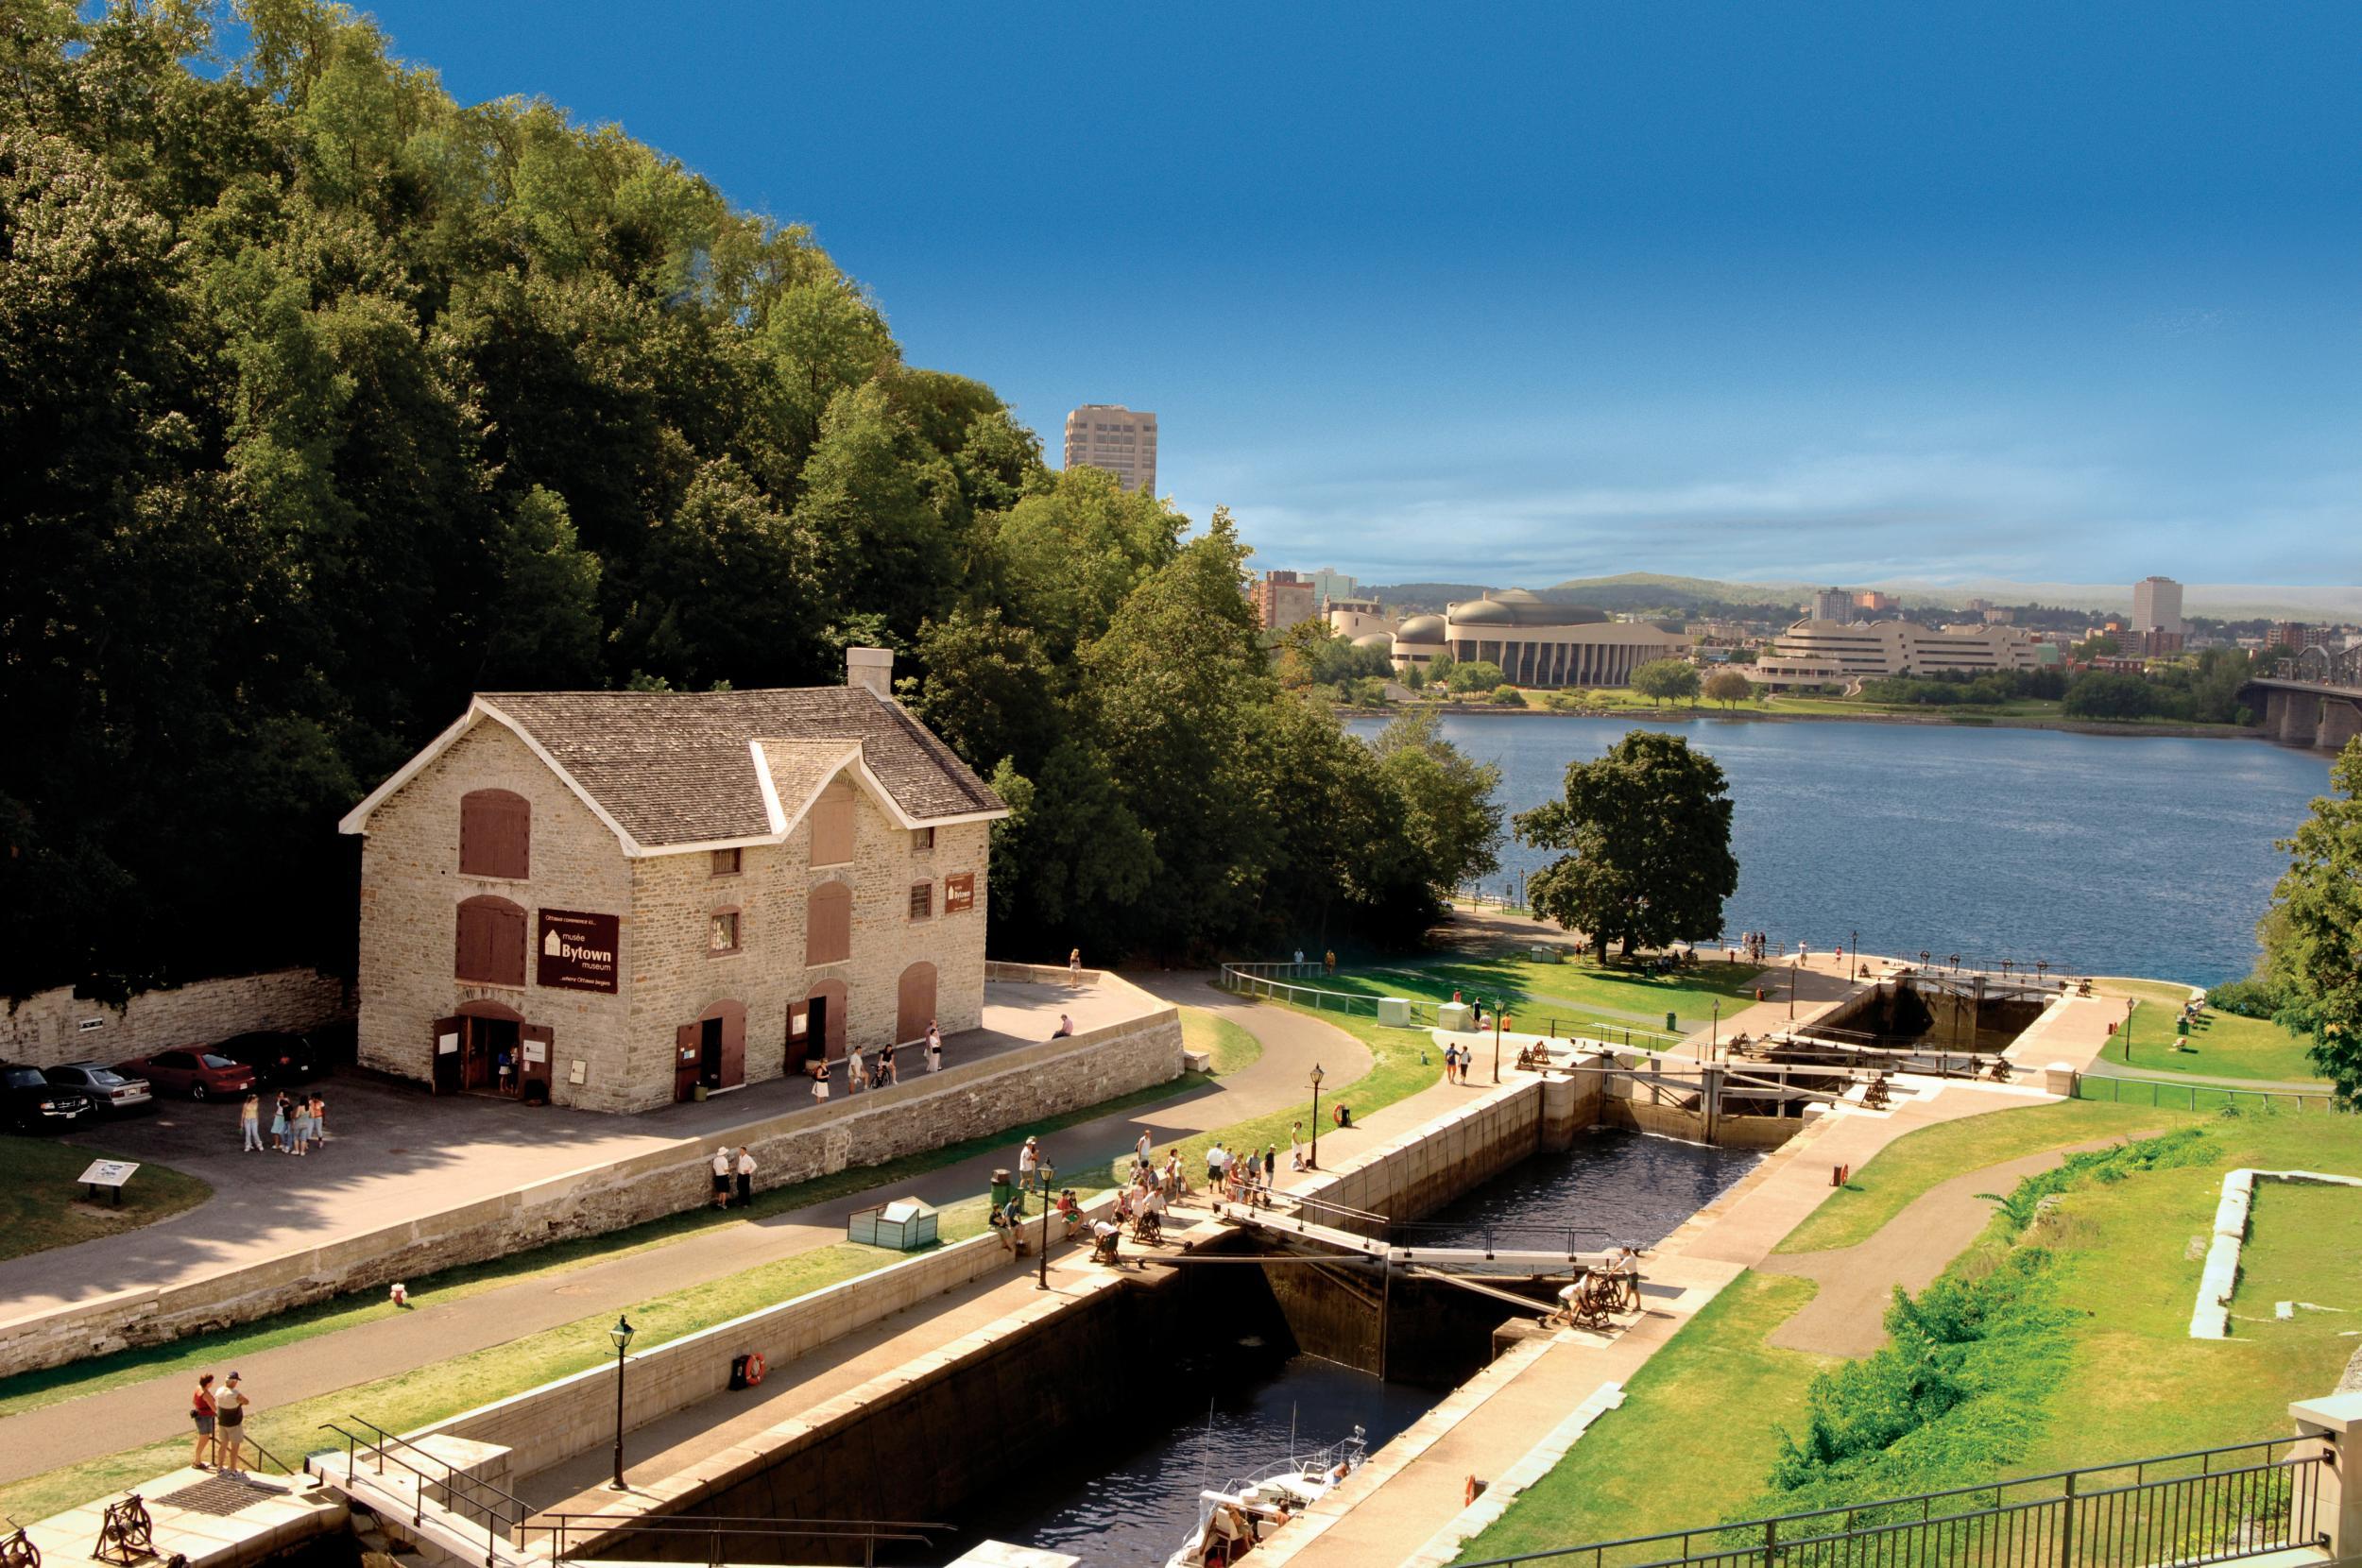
(1338, 1114)
(755, 1368)
(1476, 1490)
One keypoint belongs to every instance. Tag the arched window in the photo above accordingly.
(495, 834)
(828, 925)
(491, 949)
(833, 824)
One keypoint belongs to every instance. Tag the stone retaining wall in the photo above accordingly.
(973, 1099)
(54, 1026)
(1434, 1163)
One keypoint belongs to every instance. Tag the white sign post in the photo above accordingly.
(111, 1174)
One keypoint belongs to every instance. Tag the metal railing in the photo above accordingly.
(2167, 1093)
(719, 1528)
(500, 1523)
(1259, 979)
(2213, 1504)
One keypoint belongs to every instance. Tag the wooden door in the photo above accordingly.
(443, 1043)
(826, 1003)
(685, 1054)
(733, 1046)
(914, 1003)
(539, 1048)
(799, 1036)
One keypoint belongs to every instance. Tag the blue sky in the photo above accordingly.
(1508, 293)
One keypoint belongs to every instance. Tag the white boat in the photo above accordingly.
(1256, 1505)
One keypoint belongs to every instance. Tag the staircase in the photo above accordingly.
(437, 1494)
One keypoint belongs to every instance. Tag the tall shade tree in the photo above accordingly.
(2313, 932)
(1667, 680)
(1647, 832)
(1727, 687)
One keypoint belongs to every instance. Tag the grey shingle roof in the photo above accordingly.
(674, 767)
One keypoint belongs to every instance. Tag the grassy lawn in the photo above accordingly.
(1579, 988)
(1231, 1047)
(1696, 1423)
(1915, 1163)
(2222, 1044)
(1693, 1443)
(41, 1207)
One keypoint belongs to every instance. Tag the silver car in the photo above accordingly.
(113, 1093)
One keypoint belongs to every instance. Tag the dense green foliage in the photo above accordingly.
(1956, 1395)
(1667, 680)
(1727, 687)
(1944, 690)
(2313, 934)
(328, 401)
(1647, 831)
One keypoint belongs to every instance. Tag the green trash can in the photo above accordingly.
(1002, 1185)
(1671, 1027)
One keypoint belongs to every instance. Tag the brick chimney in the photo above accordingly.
(872, 668)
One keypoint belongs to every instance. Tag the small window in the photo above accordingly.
(923, 900)
(721, 931)
(922, 841)
(726, 863)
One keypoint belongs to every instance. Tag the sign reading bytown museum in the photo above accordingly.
(579, 952)
(959, 892)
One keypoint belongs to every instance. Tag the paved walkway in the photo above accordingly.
(395, 1154)
(127, 1416)
(1847, 1314)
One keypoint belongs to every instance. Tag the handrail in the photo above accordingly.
(868, 1531)
(284, 1469)
(452, 1472)
(492, 1517)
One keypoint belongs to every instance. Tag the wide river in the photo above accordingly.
(2113, 855)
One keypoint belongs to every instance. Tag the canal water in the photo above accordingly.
(2107, 854)
(1128, 1495)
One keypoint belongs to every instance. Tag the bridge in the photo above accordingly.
(2301, 711)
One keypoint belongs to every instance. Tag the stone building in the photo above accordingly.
(622, 896)
(1536, 642)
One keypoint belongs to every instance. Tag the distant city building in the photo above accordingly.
(1536, 642)
(2157, 601)
(2153, 643)
(1329, 583)
(1282, 599)
(1981, 607)
(1118, 440)
(1876, 602)
(1830, 605)
(1838, 651)
(1356, 617)
(2295, 636)
(1992, 616)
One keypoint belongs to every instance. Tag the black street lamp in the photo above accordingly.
(1314, 1163)
(621, 1334)
(1714, 1034)
(1856, 951)
(1045, 1171)
(1791, 990)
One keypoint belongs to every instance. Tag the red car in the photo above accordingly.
(199, 1074)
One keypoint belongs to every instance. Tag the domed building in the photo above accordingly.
(1537, 642)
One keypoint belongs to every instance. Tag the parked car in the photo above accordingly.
(199, 1074)
(110, 1093)
(276, 1057)
(29, 1101)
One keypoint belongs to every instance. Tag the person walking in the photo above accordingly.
(299, 1129)
(820, 1085)
(319, 1123)
(250, 1125)
(203, 1413)
(1271, 1164)
(746, 1178)
(278, 1124)
(1075, 967)
(935, 1047)
(230, 1434)
(1217, 1159)
(722, 1178)
(1028, 1161)
(1295, 1147)
(856, 1073)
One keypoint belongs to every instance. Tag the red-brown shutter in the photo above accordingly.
(828, 925)
(489, 947)
(832, 825)
(733, 1046)
(495, 834)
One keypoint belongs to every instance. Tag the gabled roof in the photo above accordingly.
(674, 771)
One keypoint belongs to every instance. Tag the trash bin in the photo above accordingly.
(1671, 1027)
(1002, 1185)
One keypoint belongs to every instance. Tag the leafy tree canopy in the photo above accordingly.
(1647, 828)
(2313, 934)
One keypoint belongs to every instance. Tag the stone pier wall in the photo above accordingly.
(55, 1026)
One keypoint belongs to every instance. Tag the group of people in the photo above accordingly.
(1244, 1176)
(861, 1077)
(727, 1170)
(1621, 1270)
(219, 1415)
(297, 1125)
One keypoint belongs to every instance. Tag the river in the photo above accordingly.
(2113, 855)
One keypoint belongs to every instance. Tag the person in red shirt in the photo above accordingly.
(204, 1413)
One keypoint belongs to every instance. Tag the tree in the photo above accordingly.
(2313, 932)
(1506, 696)
(1667, 680)
(1647, 828)
(1475, 675)
(988, 690)
(1728, 687)
(1450, 809)
(2105, 695)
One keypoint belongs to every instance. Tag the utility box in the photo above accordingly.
(906, 1224)
(1394, 1012)
(1454, 1017)
(1549, 955)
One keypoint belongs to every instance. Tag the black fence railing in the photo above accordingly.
(2214, 1504)
(2167, 1095)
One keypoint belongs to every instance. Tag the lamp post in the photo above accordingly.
(1497, 1040)
(1856, 950)
(1713, 1031)
(1045, 1171)
(621, 1334)
(1792, 990)
(1314, 1163)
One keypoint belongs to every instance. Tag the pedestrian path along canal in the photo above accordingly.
(1231, 1401)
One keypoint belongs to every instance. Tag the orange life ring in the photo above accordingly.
(1338, 1114)
(1476, 1489)
(755, 1368)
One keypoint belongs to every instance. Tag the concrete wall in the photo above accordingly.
(50, 1027)
(1434, 1163)
(968, 1100)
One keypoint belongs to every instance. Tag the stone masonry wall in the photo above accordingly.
(972, 1099)
(52, 1026)
(411, 889)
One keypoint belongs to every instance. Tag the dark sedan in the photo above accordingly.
(199, 1074)
(278, 1058)
(109, 1090)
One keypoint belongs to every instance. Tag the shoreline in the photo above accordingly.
(2139, 727)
